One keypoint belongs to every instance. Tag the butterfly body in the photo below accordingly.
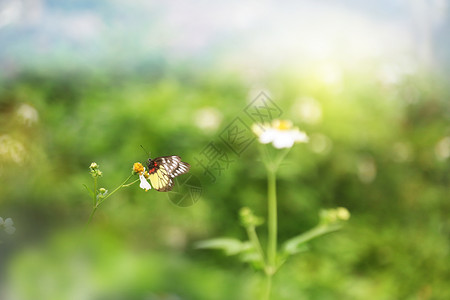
(162, 170)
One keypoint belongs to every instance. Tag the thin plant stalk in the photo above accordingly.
(272, 221)
(116, 189)
(92, 214)
(98, 201)
(272, 227)
(268, 286)
(272, 215)
(253, 237)
(94, 197)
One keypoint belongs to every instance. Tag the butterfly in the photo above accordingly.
(162, 170)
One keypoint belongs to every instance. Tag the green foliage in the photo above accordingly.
(229, 245)
(296, 244)
(378, 149)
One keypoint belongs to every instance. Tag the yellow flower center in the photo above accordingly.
(138, 168)
(282, 124)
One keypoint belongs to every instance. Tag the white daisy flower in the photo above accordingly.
(8, 222)
(280, 133)
(8, 225)
(140, 169)
(27, 114)
(144, 183)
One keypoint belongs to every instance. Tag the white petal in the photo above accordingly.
(267, 136)
(9, 222)
(144, 183)
(257, 129)
(299, 136)
(283, 141)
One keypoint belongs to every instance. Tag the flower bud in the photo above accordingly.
(334, 215)
(102, 193)
(95, 171)
(342, 213)
(248, 219)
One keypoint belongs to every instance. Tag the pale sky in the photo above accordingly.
(229, 34)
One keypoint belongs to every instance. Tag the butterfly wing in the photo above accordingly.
(166, 168)
(161, 180)
(181, 169)
(169, 162)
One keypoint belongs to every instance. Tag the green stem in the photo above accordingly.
(268, 286)
(94, 198)
(91, 215)
(272, 225)
(280, 158)
(253, 237)
(115, 190)
(131, 183)
(272, 221)
(265, 155)
(97, 202)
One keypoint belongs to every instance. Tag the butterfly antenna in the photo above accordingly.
(146, 153)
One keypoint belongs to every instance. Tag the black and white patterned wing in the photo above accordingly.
(163, 169)
(181, 169)
(170, 163)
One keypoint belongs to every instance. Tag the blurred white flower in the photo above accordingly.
(144, 183)
(280, 133)
(8, 225)
(175, 237)
(27, 114)
(10, 229)
(320, 143)
(402, 152)
(208, 118)
(8, 222)
(308, 110)
(442, 148)
(366, 169)
(11, 149)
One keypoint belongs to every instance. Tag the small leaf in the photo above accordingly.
(251, 256)
(228, 245)
(248, 253)
(293, 245)
(89, 190)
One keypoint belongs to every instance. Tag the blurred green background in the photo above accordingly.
(84, 81)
